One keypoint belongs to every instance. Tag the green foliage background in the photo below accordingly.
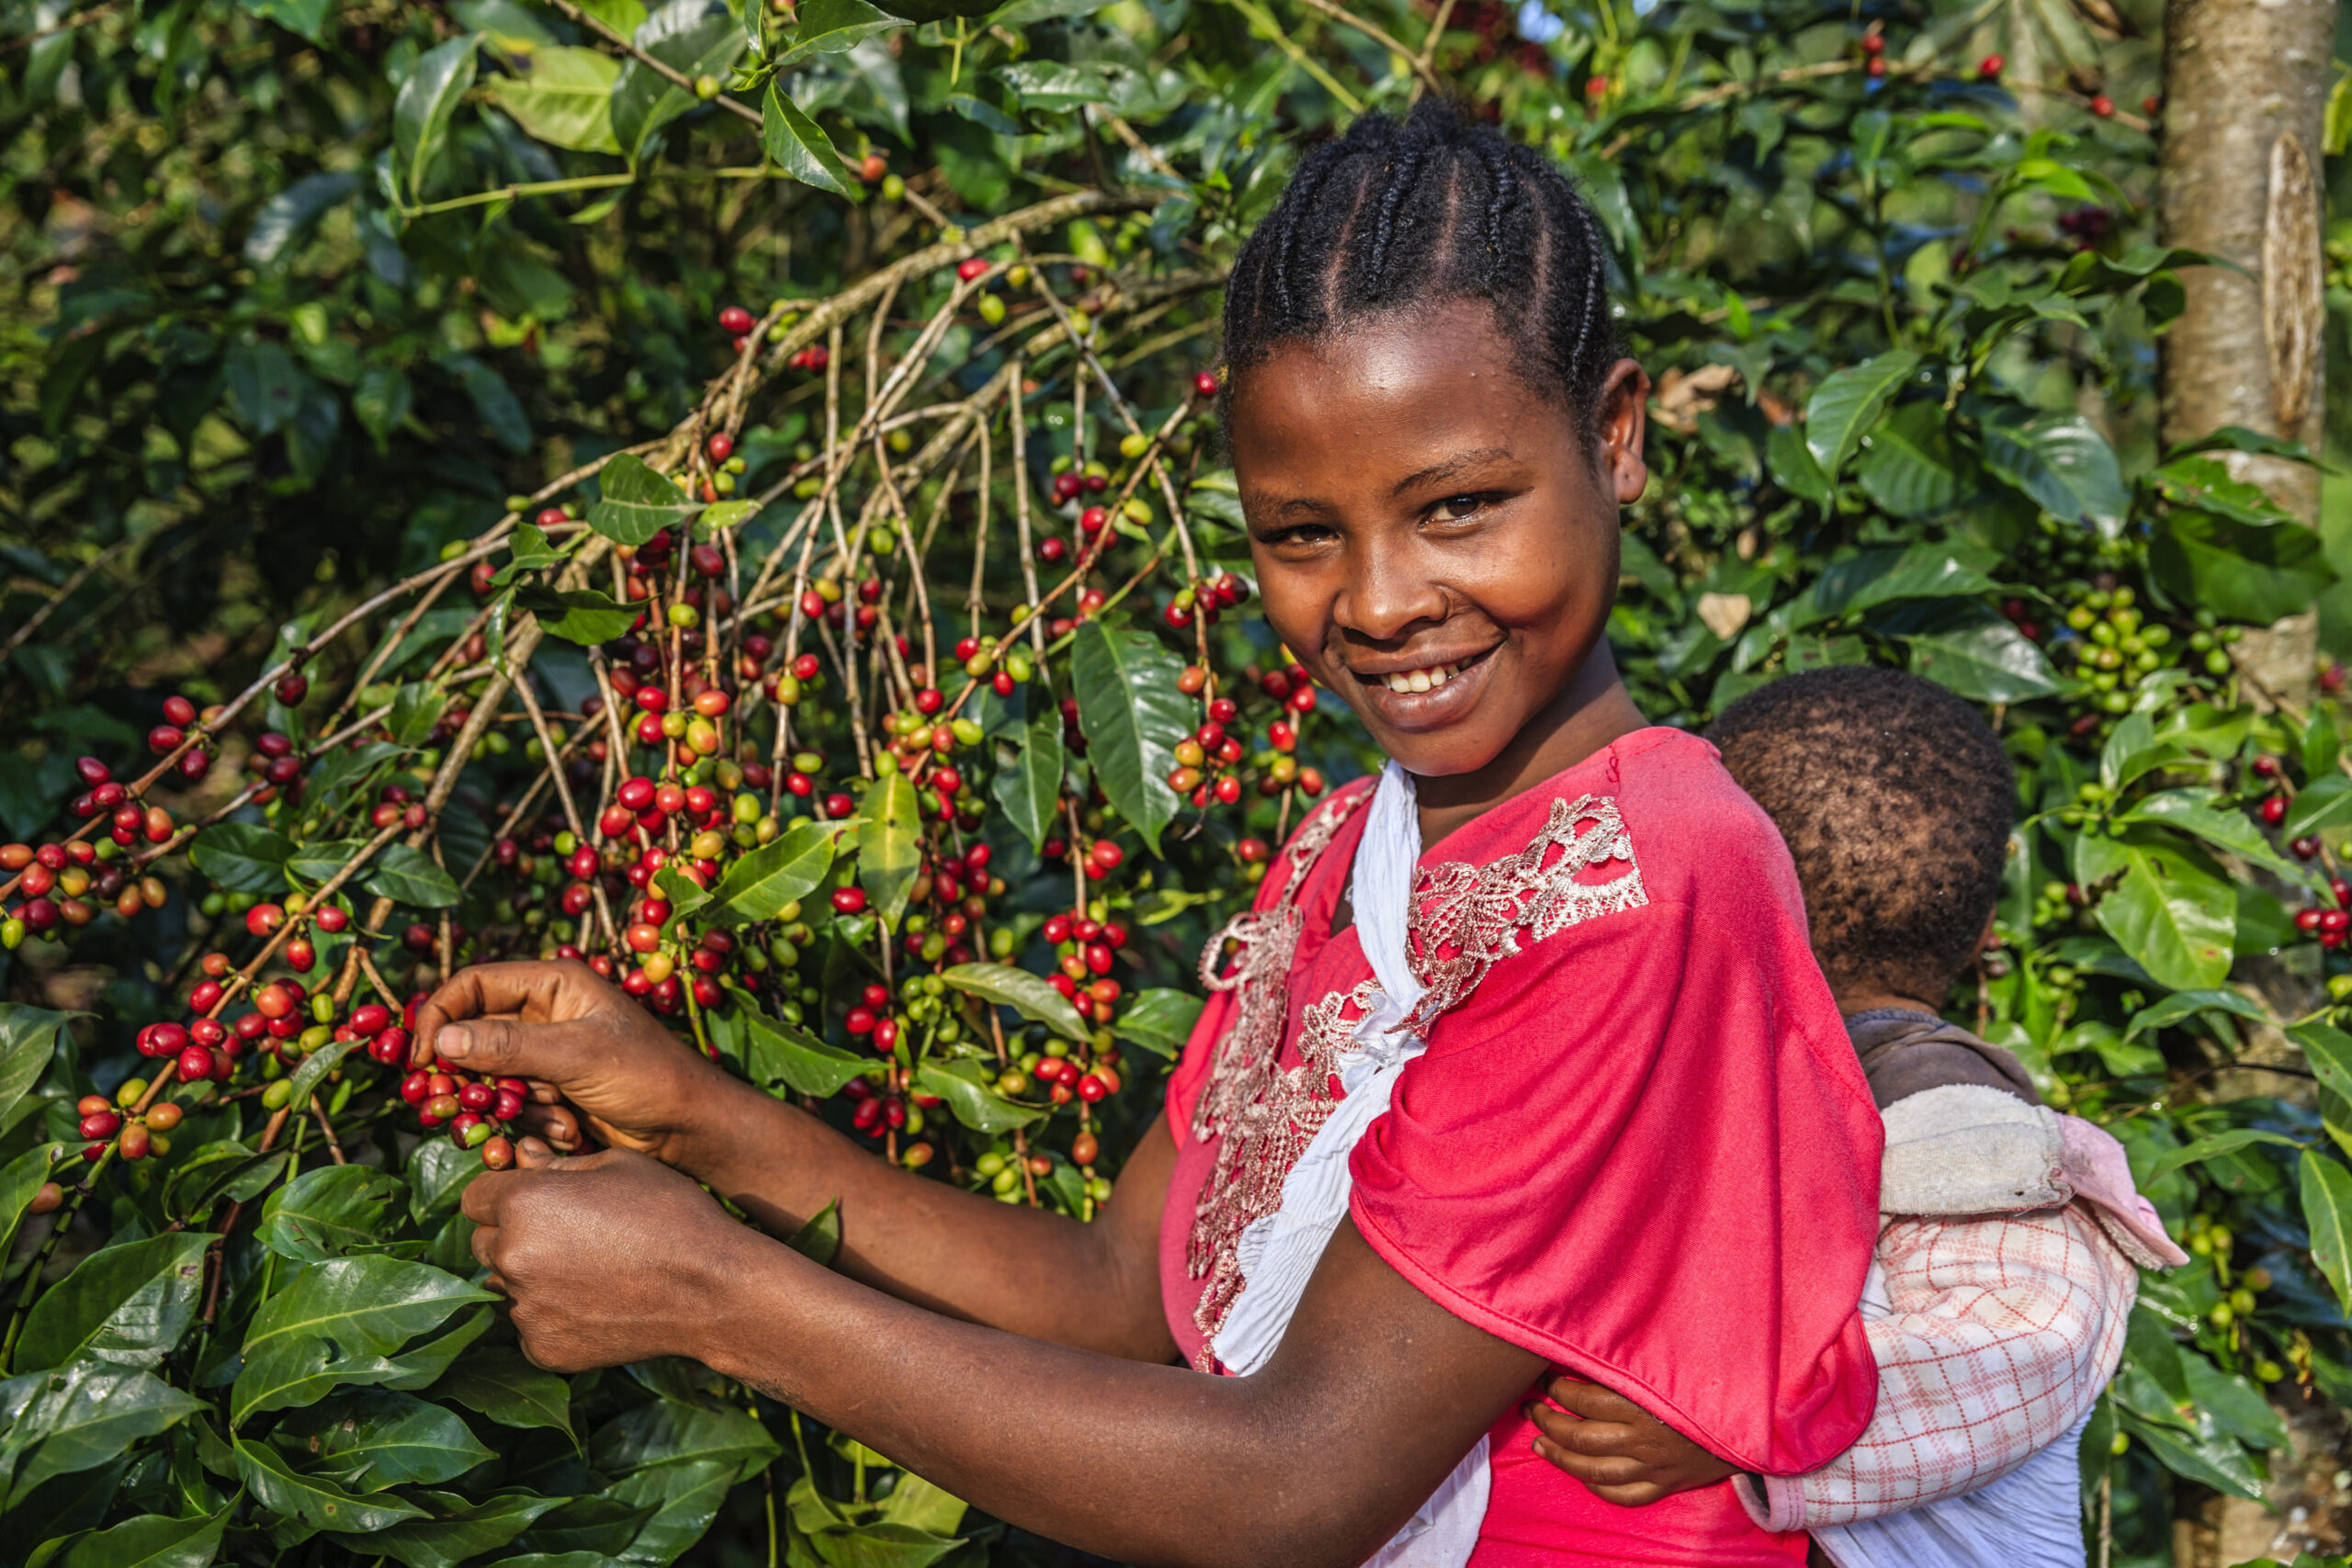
(298, 295)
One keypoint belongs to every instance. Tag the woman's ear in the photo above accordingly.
(1624, 404)
(1989, 938)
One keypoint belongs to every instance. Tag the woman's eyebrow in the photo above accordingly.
(1438, 473)
(1256, 503)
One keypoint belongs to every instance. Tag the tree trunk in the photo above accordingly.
(2246, 91)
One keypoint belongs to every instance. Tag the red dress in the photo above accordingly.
(1639, 1144)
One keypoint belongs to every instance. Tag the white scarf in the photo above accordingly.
(1278, 1253)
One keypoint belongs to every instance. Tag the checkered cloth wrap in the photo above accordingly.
(2004, 1330)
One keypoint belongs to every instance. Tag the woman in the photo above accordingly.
(1624, 1134)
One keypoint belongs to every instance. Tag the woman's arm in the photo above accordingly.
(596, 1057)
(1375, 1396)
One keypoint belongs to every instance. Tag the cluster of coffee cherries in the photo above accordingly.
(117, 1122)
(1206, 600)
(1085, 951)
(63, 885)
(2273, 810)
(475, 1109)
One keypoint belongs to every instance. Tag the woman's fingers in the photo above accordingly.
(558, 1125)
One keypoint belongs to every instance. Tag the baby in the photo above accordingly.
(2005, 1271)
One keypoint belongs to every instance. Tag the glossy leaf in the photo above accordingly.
(28, 1045)
(456, 1528)
(2213, 1146)
(695, 38)
(149, 1541)
(499, 1382)
(1980, 656)
(336, 1323)
(761, 884)
(1849, 402)
(800, 146)
(1134, 717)
(78, 1417)
(2063, 463)
(779, 1055)
(578, 615)
(2223, 826)
(316, 1501)
(240, 857)
(668, 1431)
(436, 84)
(637, 503)
(830, 27)
(21, 1182)
(330, 1211)
(820, 1239)
(1032, 996)
(889, 844)
(970, 1095)
(127, 1304)
(1792, 467)
(565, 99)
(2327, 1210)
(371, 1439)
(1907, 465)
(2239, 571)
(1029, 789)
(408, 875)
(2171, 908)
(1160, 1020)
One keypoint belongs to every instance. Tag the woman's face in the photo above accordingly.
(1434, 539)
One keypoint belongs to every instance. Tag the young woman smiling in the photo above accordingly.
(1519, 1062)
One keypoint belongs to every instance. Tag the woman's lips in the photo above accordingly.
(1427, 696)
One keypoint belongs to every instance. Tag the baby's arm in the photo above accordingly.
(2002, 1331)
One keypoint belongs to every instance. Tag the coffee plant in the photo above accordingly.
(732, 497)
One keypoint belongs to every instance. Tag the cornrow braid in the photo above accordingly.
(1422, 211)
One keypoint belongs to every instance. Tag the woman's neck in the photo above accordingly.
(1591, 711)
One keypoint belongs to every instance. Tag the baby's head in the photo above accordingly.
(1896, 800)
(1433, 431)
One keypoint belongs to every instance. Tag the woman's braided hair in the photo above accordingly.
(1433, 209)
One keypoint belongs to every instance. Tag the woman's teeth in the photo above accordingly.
(1422, 680)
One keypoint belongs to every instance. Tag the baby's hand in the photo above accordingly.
(1618, 1450)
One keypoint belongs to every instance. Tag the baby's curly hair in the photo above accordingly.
(1896, 800)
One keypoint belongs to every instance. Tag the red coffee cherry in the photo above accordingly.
(1204, 385)
(179, 710)
(849, 900)
(735, 321)
(971, 267)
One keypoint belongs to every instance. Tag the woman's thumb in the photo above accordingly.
(496, 1046)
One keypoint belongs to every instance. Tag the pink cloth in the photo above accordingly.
(2095, 1166)
(1639, 1144)
(2004, 1330)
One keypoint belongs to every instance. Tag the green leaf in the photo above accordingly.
(965, 1087)
(127, 1304)
(2329, 1051)
(830, 27)
(2326, 802)
(408, 875)
(330, 1211)
(693, 37)
(241, 857)
(21, 1182)
(437, 83)
(1160, 1021)
(334, 1324)
(637, 501)
(2212, 1146)
(313, 864)
(2218, 1462)
(27, 1045)
(424, 1364)
(2235, 1404)
(1849, 402)
(820, 1240)
(1870, 578)
(2240, 571)
(759, 885)
(719, 518)
(566, 100)
(2064, 463)
(670, 1431)
(2322, 747)
(579, 614)
(2187, 1004)
(800, 146)
(1979, 655)
(459, 1527)
(777, 1053)
(313, 1072)
(2173, 910)
(684, 896)
(371, 1439)
(1134, 717)
(224, 1171)
(2196, 811)
(291, 212)
(1029, 789)
(2327, 1210)
(307, 17)
(151, 1541)
(319, 1503)
(501, 1383)
(683, 1499)
(1031, 995)
(889, 843)
(79, 1416)
(2203, 484)
(1907, 465)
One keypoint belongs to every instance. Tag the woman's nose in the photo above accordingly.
(1391, 587)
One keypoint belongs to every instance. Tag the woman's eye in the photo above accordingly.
(1455, 508)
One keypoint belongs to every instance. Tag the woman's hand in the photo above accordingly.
(606, 1258)
(1621, 1452)
(597, 1060)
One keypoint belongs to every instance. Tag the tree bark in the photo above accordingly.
(2246, 93)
